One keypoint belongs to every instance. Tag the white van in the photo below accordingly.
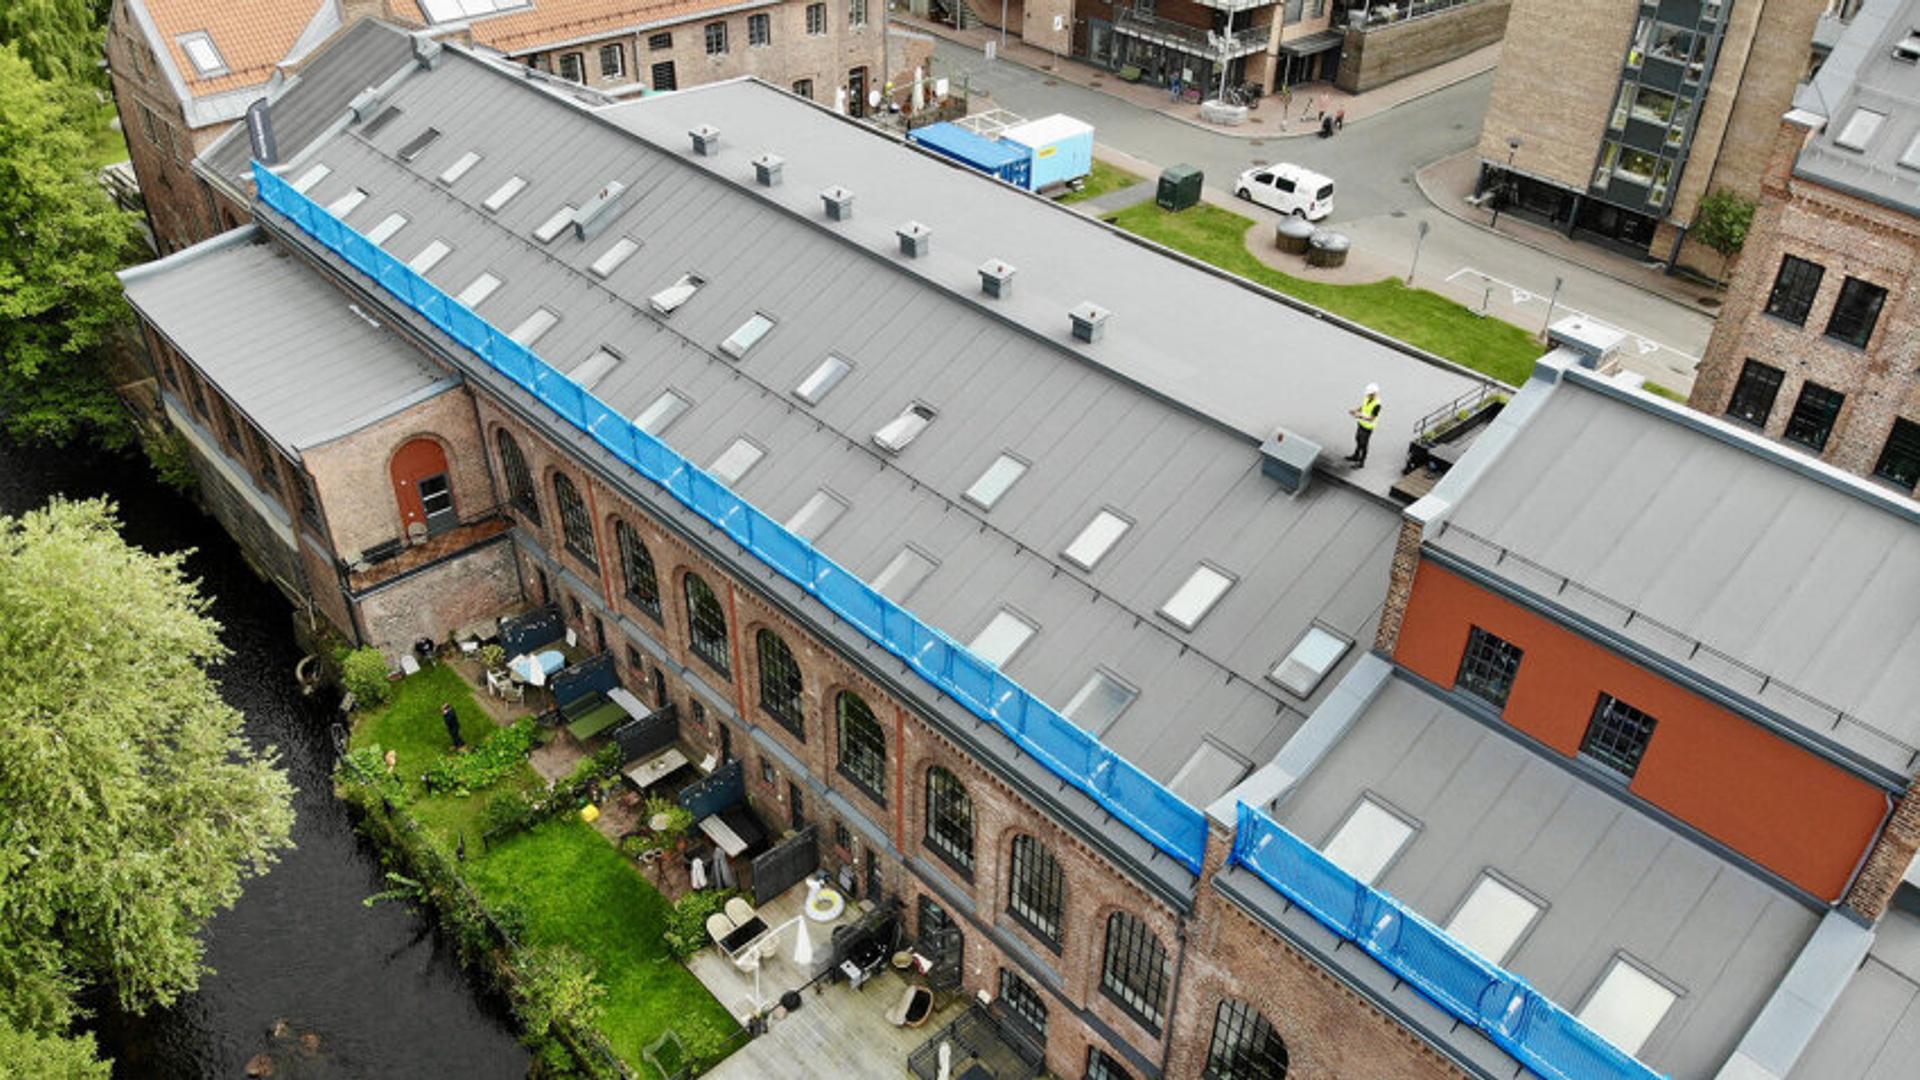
(1289, 189)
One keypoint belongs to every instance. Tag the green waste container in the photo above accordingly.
(1179, 187)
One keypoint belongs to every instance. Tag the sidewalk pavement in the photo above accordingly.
(1268, 120)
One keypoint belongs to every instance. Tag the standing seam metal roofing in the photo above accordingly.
(1862, 72)
(1196, 488)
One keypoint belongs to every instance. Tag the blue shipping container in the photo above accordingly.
(1009, 163)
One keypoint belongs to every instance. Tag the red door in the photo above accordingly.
(421, 489)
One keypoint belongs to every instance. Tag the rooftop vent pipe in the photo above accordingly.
(915, 239)
(706, 140)
(426, 51)
(996, 279)
(1089, 321)
(839, 203)
(598, 211)
(366, 103)
(767, 169)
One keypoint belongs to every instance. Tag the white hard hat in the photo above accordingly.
(1373, 388)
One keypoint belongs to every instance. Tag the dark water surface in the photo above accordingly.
(382, 993)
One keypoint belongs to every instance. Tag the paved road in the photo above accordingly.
(1378, 204)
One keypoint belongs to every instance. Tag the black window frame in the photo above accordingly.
(1617, 736)
(577, 59)
(856, 14)
(715, 36)
(662, 76)
(1244, 1045)
(948, 830)
(782, 689)
(1024, 1004)
(1102, 1066)
(1487, 671)
(1795, 286)
(803, 88)
(521, 493)
(1133, 970)
(1856, 312)
(1037, 890)
(1755, 393)
(863, 760)
(1902, 446)
(1816, 411)
(640, 577)
(576, 524)
(660, 41)
(759, 30)
(706, 624)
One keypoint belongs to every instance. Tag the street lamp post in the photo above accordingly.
(1506, 179)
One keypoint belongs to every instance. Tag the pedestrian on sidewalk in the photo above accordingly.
(452, 720)
(1340, 120)
(1365, 418)
(1174, 85)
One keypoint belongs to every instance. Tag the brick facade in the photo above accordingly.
(160, 143)
(1886, 865)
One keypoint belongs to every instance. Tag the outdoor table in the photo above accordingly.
(656, 768)
(722, 834)
(536, 668)
(743, 935)
(629, 704)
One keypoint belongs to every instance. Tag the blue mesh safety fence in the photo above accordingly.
(1119, 787)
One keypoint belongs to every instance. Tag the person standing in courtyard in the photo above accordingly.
(1365, 418)
(452, 720)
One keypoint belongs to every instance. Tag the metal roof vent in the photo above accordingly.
(996, 279)
(706, 140)
(598, 211)
(839, 203)
(1908, 48)
(767, 169)
(1288, 459)
(1089, 321)
(365, 103)
(426, 52)
(915, 239)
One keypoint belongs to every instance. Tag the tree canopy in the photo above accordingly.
(60, 38)
(131, 806)
(1722, 219)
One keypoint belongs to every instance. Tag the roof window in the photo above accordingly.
(733, 463)
(1368, 840)
(459, 168)
(478, 290)
(380, 119)
(429, 256)
(1911, 159)
(903, 574)
(1301, 670)
(669, 299)
(816, 515)
(1860, 129)
(554, 225)
(1492, 918)
(451, 10)
(1907, 50)
(995, 481)
(504, 194)
(596, 367)
(311, 177)
(1627, 1005)
(202, 54)
(344, 205)
(1099, 702)
(1104, 531)
(610, 259)
(389, 225)
(418, 143)
(898, 433)
(1208, 773)
(533, 326)
(747, 336)
(1001, 637)
(822, 379)
(660, 415)
(1196, 596)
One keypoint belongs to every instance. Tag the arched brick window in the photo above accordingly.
(576, 525)
(1134, 973)
(780, 684)
(950, 819)
(1244, 1046)
(707, 626)
(863, 746)
(513, 468)
(636, 567)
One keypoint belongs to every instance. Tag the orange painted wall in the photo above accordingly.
(1782, 806)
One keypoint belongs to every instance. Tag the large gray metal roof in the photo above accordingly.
(1193, 487)
(1614, 880)
(1873, 1031)
(1800, 584)
(1864, 76)
(288, 348)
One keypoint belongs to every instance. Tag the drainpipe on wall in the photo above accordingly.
(1173, 1006)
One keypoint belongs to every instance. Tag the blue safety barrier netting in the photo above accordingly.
(1119, 787)
(1501, 1005)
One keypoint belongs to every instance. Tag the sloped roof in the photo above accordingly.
(251, 38)
(546, 23)
(1873, 1031)
(1864, 78)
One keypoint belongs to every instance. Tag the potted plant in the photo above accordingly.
(494, 658)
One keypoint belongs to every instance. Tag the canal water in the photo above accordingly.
(353, 991)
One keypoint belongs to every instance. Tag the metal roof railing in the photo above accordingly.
(1118, 786)
(1499, 1004)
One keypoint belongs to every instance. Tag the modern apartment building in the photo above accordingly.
(1196, 761)
(1819, 342)
(1610, 119)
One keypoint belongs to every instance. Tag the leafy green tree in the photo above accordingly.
(60, 38)
(27, 1056)
(131, 805)
(1721, 221)
(60, 304)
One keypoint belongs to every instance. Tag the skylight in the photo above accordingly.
(660, 415)
(1626, 1006)
(459, 168)
(380, 120)
(1191, 602)
(1367, 841)
(440, 11)
(533, 326)
(1301, 670)
(1099, 702)
(429, 256)
(418, 143)
(1860, 128)
(504, 194)
(610, 260)
(478, 290)
(1104, 531)
(389, 225)
(311, 177)
(824, 378)
(551, 227)
(903, 574)
(1911, 159)
(898, 433)
(669, 299)
(595, 367)
(344, 205)
(1492, 918)
(733, 462)
(1001, 637)
(995, 481)
(747, 336)
(201, 52)
(816, 515)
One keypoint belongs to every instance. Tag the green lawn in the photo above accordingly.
(105, 145)
(1103, 179)
(1418, 317)
(576, 890)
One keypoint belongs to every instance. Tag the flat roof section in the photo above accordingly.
(1873, 1031)
(1868, 94)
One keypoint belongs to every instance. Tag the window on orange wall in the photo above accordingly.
(1488, 667)
(1617, 736)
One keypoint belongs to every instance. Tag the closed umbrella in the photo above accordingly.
(722, 869)
(802, 945)
(697, 873)
(840, 100)
(946, 1060)
(919, 89)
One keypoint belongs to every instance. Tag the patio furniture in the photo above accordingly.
(740, 911)
(743, 935)
(913, 1008)
(823, 904)
(645, 774)
(582, 695)
(533, 667)
(408, 665)
(729, 841)
(719, 928)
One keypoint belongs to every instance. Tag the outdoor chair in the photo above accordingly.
(719, 927)
(739, 911)
(913, 1008)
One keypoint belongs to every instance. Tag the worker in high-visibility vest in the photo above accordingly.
(1366, 416)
